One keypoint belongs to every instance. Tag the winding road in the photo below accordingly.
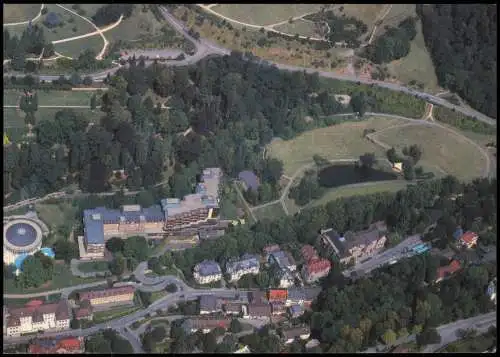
(206, 48)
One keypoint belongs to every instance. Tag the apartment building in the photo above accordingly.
(64, 345)
(209, 304)
(172, 217)
(194, 210)
(207, 271)
(37, 316)
(248, 264)
(355, 246)
(118, 295)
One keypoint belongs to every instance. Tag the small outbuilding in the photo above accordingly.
(249, 179)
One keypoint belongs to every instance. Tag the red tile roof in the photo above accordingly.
(469, 237)
(318, 265)
(55, 345)
(89, 295)
(83, 312)
(308, 252)
(278, 294)
(453, 267)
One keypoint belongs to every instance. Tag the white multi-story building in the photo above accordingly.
(207, 271)
(248, 264)
(36, 316)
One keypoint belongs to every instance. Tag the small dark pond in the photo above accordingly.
(347, 174)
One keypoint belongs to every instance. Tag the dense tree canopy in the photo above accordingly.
(462, 40)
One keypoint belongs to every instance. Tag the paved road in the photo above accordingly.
(132, 338)
(384, 257)
(206, 48)
(449, 332)
(162, 303)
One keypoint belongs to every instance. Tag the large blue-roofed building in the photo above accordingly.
(173, 216)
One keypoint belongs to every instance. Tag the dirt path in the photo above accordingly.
(265, 27)
(27, 22)
(389, 7)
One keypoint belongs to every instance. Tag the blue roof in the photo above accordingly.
(21, 234)
(95, 218)
(250, 179)
(458, 233)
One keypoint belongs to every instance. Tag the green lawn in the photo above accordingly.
(303, 28)
(66, 31)
(61, 278)
(346, 191)
(74, 48)
(264, 14)
(272, 212)
(476, 344)
(55, 215)
(19, 12)
(52, 97)
(103, 316)
(88, 267)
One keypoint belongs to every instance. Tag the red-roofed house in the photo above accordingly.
(308, 253)
(56, 345)
(469, 239)
(316, 269)
(446, 271)
(84, 313)
(123, 294)
(277, 295)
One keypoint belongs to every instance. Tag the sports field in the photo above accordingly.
(441, 148)
(342, 141)
(264, 14)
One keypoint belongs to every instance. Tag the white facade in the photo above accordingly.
(203, 278)
(28, 326)
(286, 280)
(236, 275)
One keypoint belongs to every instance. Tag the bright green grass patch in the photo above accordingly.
(103, 316)
(52, 97)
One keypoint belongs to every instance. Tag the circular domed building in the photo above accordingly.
(21, 237)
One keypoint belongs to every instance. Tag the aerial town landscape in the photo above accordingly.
(249, 178)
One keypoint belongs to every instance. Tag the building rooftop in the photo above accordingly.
(250, 179)
(54, 345)
(351, 240)
(283, 259)
(308, 252)
(318, 265)
(201, 323)
(445, 271)
(259, 309)
(21, 234)
(36, 312)
(293, 332)
(246, 262)
(306, 294)
(206, 195)
(207, 268)
(257, 297)
(89, 295)
(209, 303)
(469, 237)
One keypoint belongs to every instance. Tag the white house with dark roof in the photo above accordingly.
(248, 264)
(207, 271)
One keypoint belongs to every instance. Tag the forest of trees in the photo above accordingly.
(234, 107)
(110, 13)
(30, 44)
(393, 44)
(462, 40)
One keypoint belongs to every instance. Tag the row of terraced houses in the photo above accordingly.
(193, 214)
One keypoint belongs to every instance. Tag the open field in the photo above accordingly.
(398, 13)
(417, 65)
(301, 27)
(271, 212)
(56, 215)
(368, 13)
(74, 48)
(62, 278)
(441, 148)
(14, 118)
(19, 12)
(52, 97)
(145, 31)
(342, 141)
(349, 190)
(264, 14)
(278, 49)
(59, 33)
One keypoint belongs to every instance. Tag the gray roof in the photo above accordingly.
(207, 268)
(350, 240)
(21, 234)
(283, 259)
(209, 303)
(306, 294)
(94, 219)
(250, 179)
(246, 262)
(293, 332)
(206, 196)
